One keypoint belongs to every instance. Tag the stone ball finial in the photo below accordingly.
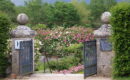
(105, 18)
(22, 19)
(22, 31)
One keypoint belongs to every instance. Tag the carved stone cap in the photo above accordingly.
(22, 31)
(103, 31)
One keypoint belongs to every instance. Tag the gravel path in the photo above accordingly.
(62, 77)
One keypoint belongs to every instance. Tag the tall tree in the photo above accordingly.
(33, 9)
(83, 10)
(99, 6)
(59, 13)
(8, 7)
(65, 14)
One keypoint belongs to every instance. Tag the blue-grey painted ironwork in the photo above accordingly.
(26, 57)
(105, 45)
(90, 58)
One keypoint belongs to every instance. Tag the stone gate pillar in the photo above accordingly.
(104, 47)
(21, 33)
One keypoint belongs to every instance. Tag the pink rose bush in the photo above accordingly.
(73, 69)
(62, 43)
(55, 40)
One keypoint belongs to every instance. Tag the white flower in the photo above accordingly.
(67, 32)
(50, 34)
(40, 43)
(56, 32)
(60, 32)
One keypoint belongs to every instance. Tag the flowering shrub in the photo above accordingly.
(66, 44)
(73, 69)
(56, 40)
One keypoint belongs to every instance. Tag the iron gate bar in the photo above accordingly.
(90, 66)
(26, 57)
(90, 58)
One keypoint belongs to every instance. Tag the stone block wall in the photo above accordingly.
(104, 61)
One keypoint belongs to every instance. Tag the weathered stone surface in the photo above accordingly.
(22, 19)
(104, 58)
(23, 32)
(15, 62)
(103, 31)
(104, 61)
(105, 18)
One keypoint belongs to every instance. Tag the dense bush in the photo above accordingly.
(64, 63)
(65, 14)
(83, 10)
(59, 41)
(76, 50)
(8, 7)
(39, 27)
(59, 13)
(4, 36)
(62, 42)
(121, 38)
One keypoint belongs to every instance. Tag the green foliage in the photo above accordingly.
(47, 16)
(64, 63)
(37, 47)
(83, 11)
(65, 14)
(60, 13)
(41, 66)
(21, 9)
(57, 14)
(39, 27)
(76, 50)
(4, 36)
(63, 42)
(73, 48)
(33, 9)
(98, 7)
(121, 39)
(9, 8)
(122, 78)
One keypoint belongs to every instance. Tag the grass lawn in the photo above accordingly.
(122, 78)
(80, 72)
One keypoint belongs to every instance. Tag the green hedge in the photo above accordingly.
(120, 21)
(4, 36)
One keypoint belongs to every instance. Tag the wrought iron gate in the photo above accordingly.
(90, 58)
(26, 57)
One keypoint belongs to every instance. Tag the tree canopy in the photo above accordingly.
(8, 7)
(59, 13)
(99, 6)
